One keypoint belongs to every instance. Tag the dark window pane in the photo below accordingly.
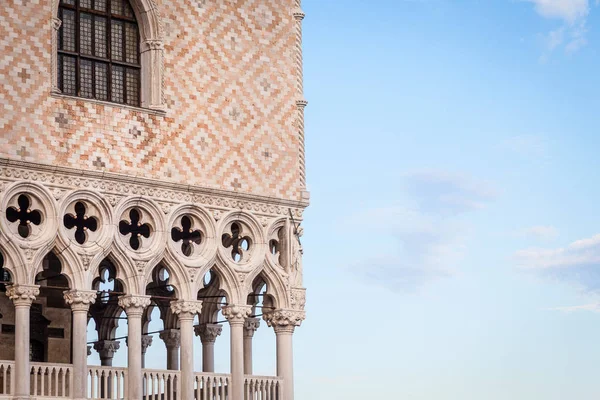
(127, 11)
(85, 3)
(116, 7)
(85, 34)
(69, 75)
(133, 82)
(68, 30)
(101, 81)
(86, 79)
(100, 5)
(116, 40)
(117, 84)
(100, 37)
(131, 43)
(68, 2)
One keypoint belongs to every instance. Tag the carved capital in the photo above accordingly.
(80, 300)
(107, 348)
(236, 314)
(208, 332)
(171, 337)
(146, 342)
(153, 45)
(250, 326)
(185, 309)
(301, 104)
(299, 14)
(22, 295)
(283, 320)
(56, 23)
(134, 305)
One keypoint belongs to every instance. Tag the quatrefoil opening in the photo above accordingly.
(24, 215)
(136, 228)
(190, 238)
(239, 243)
(80, 222)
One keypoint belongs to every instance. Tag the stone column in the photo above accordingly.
(134, 307)
(284, 322)
(172, 339)
(236, 315)
(22, 297)
(250, 326)
(146, 342)
(107, 349)
(186, 311)
(208, 336)
(80, 301)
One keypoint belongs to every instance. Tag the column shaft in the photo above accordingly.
(79, 354)
(187, 358)
(237, 360)
(208, 357)
(285, 362)
(22, 380)
(248, 355)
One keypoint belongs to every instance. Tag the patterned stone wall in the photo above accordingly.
(231, 90)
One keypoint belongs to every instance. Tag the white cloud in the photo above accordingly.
(595, 307)
(571, 36)
(578, 262)
(541, 232)
(567, 10)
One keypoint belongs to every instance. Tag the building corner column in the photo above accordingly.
(284, 322)
(208, 336)
(134, 308)
(79, 301)
(22, 297)
(236, 315)
(186, 311)
(250, 327)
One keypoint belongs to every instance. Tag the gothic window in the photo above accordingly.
(99, 51)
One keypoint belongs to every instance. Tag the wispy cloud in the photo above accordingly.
(540, 232)
(573, 14)
(594, 307)
(578, 262)
(533, 147)
(426, 240)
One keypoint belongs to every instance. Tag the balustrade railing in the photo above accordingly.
(51, 380)
(211, 386)
(161, 384)
(107, 383)
(263, 388)
(7, 377)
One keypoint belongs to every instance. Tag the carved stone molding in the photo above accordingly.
(251, 325)
(80, 300)
(107, 348)
(186, 309)
(22, 295)
(236, 314)
(208, 332)
(283, 320)
(134, 305)
(298, 298)
(171, 337)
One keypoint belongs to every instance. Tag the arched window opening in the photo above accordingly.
(99, 51)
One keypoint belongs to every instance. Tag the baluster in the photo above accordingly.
(4, 374)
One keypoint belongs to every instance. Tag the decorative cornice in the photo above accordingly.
(123, 185)
(22, 295)
(251, 325)
(171, 337)
(236, 314)
(284, 320)
(80, 300)
(134, 305)
(185, 309)
(107, 348)
(208, 332)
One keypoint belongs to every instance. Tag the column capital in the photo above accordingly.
(146, 342)
(133, 304)
(171, 337)
(208, 332)
(236, 314)
(186, 309)
(80, 300)
(107, 348)
(250, 326)
(284, 320)
(22, 295)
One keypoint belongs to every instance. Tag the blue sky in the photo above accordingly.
(450, 248)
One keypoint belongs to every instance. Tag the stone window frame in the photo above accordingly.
(151, 55)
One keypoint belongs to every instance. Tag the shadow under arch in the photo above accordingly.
(106, 311)
(213, 297)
